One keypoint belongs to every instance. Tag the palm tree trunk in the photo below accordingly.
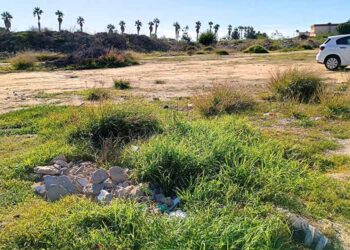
(39, 26)
(59, 27)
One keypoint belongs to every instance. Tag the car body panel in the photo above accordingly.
(332, 48)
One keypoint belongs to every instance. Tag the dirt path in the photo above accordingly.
(182, 77)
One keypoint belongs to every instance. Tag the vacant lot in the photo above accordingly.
(181, 76)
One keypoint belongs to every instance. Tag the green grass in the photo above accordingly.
(121, 84)
(229, 175)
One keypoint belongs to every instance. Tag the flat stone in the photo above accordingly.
(47, 170)
(99, 176)
(128, 192)
(61, 163)
(63, 181)
(93, 189)
(118, 174)
(40, 190)
(55, 192)
(80, 183)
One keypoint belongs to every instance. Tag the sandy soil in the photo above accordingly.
(183, 77)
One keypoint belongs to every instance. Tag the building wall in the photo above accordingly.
(322, 29)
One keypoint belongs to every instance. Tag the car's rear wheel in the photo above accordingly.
(332, 63)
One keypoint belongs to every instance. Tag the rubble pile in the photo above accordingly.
(84, 178)
(61, 178)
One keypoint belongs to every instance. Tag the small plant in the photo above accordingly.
(222, 53)
(97, 94)
(337, 107)
(209, 49)
(23, 61)
(257, 49)
(121, 84)
(207, 38)
(297, 85)
(222, 100)
(160, 82)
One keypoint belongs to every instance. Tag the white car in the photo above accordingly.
(335, 52)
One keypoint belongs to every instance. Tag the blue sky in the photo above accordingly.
(266, 15)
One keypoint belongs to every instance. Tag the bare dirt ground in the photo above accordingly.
(183, 76)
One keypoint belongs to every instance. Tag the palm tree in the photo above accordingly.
(245, 31)
(151, 24)
(6, 16)
(80, 22)
(177, 30)
(229, 30)
(110, 28)
(156, 22)
(198, 27)
(211, 26)
(138, 25)
(216, 29)
(38, 12)
(59, 15)
(122, 26)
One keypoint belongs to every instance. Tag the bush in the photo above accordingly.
(222, 53)
(209, 49)
(207, 38)
(97, 95)
(297, 85)
(222, 100)
(94, 58)
(121, 84)
(337, 107)
(23, 61)
(258, 49)
(116, 125)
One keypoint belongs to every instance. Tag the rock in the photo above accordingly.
(62, 164)
(104, 197)
(62, 181)
(40, 190)
(59, 158)
(47, 170)
(108, 184)
(99, 176)
(55, 192)
(93, 189)
(118, 174)
(128, 192)
(80, 183)
(178, 214)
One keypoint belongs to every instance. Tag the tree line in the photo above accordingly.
(239, 32)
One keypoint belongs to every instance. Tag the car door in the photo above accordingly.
(343, 45)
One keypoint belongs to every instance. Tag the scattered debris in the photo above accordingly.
(305, 233)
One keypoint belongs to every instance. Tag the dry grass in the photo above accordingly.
(23, 61)
(222, 99)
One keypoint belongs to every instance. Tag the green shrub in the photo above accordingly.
(222, 53)
(222, 100)
(121, 84)
(118, 126)
(97, 94)
(258, 49)
(207, 38)
(337, 107)
(344, 28)
(23, 61)
(297, 85)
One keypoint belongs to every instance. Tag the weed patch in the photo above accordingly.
(222, 100)
(97, 94)
(257, 49)
(23, 61)
(297, 85)
(121, 84)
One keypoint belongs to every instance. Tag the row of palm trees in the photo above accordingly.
(153, 25)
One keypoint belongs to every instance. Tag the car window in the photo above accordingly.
(344, 41)
(327, 41)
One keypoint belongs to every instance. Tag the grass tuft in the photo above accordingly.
(97, 94)
(121, 84)
(297, 85)
(257, 49)
(222, 99)
(23, 61)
